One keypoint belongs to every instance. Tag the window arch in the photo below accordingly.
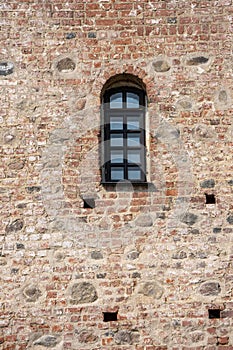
(123, 133)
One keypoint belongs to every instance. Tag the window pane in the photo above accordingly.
(117, 156)
(116, 123)
(134, 156)
(116, 140)
(116, 100)
(133, 140)
(132, 100)
(133, 123)
(134, 174)
(117, 173)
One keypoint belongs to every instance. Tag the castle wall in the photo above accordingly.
(156, 258)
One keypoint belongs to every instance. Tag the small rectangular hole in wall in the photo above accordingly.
(210, 198)
(214, 313)
(89, 202)
(110, 316)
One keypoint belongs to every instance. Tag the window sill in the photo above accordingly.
(130, 185)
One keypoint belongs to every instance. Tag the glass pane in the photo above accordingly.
(134, 174)
(133, 140)
(134, 156)
(116, 100)
(117, 156)
(116, 123)
(132, 100)
(133, 123)
(117, 173)
(116, 140)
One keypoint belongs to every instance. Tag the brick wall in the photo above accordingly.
(149, 268)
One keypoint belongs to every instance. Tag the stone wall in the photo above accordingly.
(148, 268)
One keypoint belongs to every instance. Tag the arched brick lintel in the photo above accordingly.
(134, 73)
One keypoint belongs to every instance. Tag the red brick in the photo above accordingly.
(223, 340)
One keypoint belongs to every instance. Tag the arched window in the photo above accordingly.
(123, 134)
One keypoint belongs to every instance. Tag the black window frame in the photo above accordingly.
(107, 132)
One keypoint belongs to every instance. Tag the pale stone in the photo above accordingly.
(151, 289)
(189, 219)
(161, 66)
(48, 341)
(31, 293)
(144, 220)
(83, 292)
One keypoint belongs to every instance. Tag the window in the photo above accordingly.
(124, 135)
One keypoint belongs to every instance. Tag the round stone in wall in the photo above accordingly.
(16, 164)
(151, 289)
(31, 293)
(9, 137)
(123, 337)
(144, 220)
(3, 261)
(15, 226)
(195, 61)
(197, 336)
(184, 105)
(189, 219)
(6, 68)
(66, 65)
(59, 256)
(48, 341)
(161, 66)
(132, 255)
(210, 288)
(230, 219)
(96, 254)
(207, 183)
(86, 336)
(179, 255)
(202, 132)
(222, 96)
(83, 292)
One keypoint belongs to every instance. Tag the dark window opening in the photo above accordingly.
(214, 313)
(210, 198)
(123, 135)
(89, 203)
(110, 316)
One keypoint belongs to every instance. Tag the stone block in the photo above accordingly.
(144, 220)
(86, 336)
(194, 61)
(151, 289)
(47, 341)
(161, 66)
(66, 65)
(32, 293)
(210, 288)
(189, 219)
(15, 226)
(83, 292)
(207, 183)
(230, 219)
(124, 337)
